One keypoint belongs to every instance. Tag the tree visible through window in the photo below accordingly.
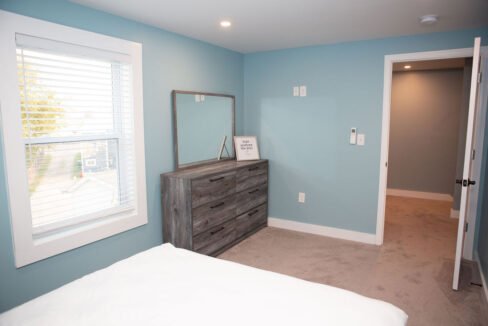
(39, 114)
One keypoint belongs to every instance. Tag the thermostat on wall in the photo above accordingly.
(352, 137)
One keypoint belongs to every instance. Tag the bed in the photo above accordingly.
(169, 286)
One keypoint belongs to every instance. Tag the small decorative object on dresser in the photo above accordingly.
(210, 208)
(246, 148)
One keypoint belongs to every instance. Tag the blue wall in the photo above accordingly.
(169, 62)
(306, 138)
(481, 238)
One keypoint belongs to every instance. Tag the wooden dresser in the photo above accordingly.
(210, 208)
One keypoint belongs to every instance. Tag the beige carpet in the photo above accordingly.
(413, 269)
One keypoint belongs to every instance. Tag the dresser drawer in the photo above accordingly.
(213, 213)
(211, 188)
(247, 178)
(245, 173)
(248, 221)
(215, 238)
(251, 197)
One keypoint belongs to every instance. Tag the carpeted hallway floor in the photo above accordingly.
(413, 269)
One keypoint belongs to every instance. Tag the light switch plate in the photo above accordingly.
(303, 90)
(361, 139)
(296, 91)
(301, 197)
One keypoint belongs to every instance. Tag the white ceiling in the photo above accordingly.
(260, 25)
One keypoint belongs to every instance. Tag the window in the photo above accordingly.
(73, 131)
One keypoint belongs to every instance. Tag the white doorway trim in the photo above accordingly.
(385, 131)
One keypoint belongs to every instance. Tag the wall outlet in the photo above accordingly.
(296, 91)
(303, 90)
(301, 197)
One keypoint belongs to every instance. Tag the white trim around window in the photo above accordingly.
(30, 245)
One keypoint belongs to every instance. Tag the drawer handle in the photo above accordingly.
(253, 212)
(253, 168)
(253, 191)
(217, 205)
(218, 230)
(216, 179)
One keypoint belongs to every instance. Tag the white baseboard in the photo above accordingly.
(322, 230)
(454, 213)
(483, 280)
(419, 194)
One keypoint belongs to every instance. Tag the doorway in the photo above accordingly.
(479, 128)
(428, 125)
(428, 120)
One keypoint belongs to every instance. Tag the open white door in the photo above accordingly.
(466, 182)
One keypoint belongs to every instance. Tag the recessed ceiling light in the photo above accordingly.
(429, 19)
(225, 23)
(407, 67)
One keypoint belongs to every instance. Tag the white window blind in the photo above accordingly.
(78, 132)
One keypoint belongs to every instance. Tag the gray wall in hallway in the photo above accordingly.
(424, 130)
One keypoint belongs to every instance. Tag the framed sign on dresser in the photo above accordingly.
(212, 207)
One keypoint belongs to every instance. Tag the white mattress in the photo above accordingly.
(169, 286)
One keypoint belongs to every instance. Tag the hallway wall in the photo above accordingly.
(424, 130)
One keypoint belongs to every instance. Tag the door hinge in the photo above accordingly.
(474, 155)
(466, 227)
(479, 77)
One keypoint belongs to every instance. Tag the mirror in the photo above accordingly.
(201, 122)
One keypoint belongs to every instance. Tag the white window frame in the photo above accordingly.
(27, 247)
